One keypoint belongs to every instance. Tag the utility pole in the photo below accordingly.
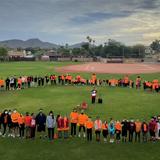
(123, 52)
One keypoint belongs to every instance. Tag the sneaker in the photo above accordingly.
(79, 135)
(3, 136)
(105, 140)
(0, 133)
(84, 135)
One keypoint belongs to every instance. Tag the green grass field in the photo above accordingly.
(118, 103)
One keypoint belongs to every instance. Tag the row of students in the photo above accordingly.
(122, 130)
(12, 83)
(15, 124)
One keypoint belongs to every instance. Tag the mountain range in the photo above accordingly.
(33, 43)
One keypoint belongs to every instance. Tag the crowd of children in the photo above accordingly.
(13, 83)
(13, 124)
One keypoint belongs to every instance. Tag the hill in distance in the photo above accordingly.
(33, 43)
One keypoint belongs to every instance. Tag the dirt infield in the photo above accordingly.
(111, 68)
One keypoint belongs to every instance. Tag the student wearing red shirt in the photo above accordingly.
(152, 129)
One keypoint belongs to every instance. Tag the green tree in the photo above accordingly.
(155, 45)
(3, 52)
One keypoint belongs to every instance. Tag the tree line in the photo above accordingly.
(111, 48)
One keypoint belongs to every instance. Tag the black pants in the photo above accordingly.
(89, 134)
(21, 130)
(93, 99)
(4, 128)
(131, 136)
(105, 133)
(118, 135)
(7, 87)
(33, 129)
(137, 134)
(144, 134)
(73, 129)
(98, 133)
(83, 127)
(51, 133)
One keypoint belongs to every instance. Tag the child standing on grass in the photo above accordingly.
(93, 95)
(152, 129)
(14, 116)
(124, 130)
(89, 125)
(27, 120)
(105, 130)
(132, 128)
(138, 126)
(118, 128)
(74, 121)
(4, 119)
(33, 126)
(41, 123)
(50, 123)
(59, 125)
(66, 127)
(111, 131)
(21, 126)
(144, 131)
(98, 127)
(9, 120)
(158, 129)
(82, 119)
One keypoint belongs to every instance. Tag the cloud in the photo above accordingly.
(62, 21)
(99, 16)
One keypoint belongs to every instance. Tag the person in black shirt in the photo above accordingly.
(39, 81)
(124, 130)
(15, 83)
(41, 122)
(47, 79)
(4, 118)
(7, 83)
(42, 81)
(131, 130)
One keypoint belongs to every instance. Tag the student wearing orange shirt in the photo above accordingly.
(19, 83)
(74, 121)
(118, 128)
(98, 127)
(14, 116)
(144, 131)
(138, 127)
(21, 126)
(89, 125)
(2, 82)
(82, 119)
(105, 131)
(27, 121)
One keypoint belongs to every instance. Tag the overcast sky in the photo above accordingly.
(70, 21)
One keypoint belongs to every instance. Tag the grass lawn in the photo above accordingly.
(118, 103)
